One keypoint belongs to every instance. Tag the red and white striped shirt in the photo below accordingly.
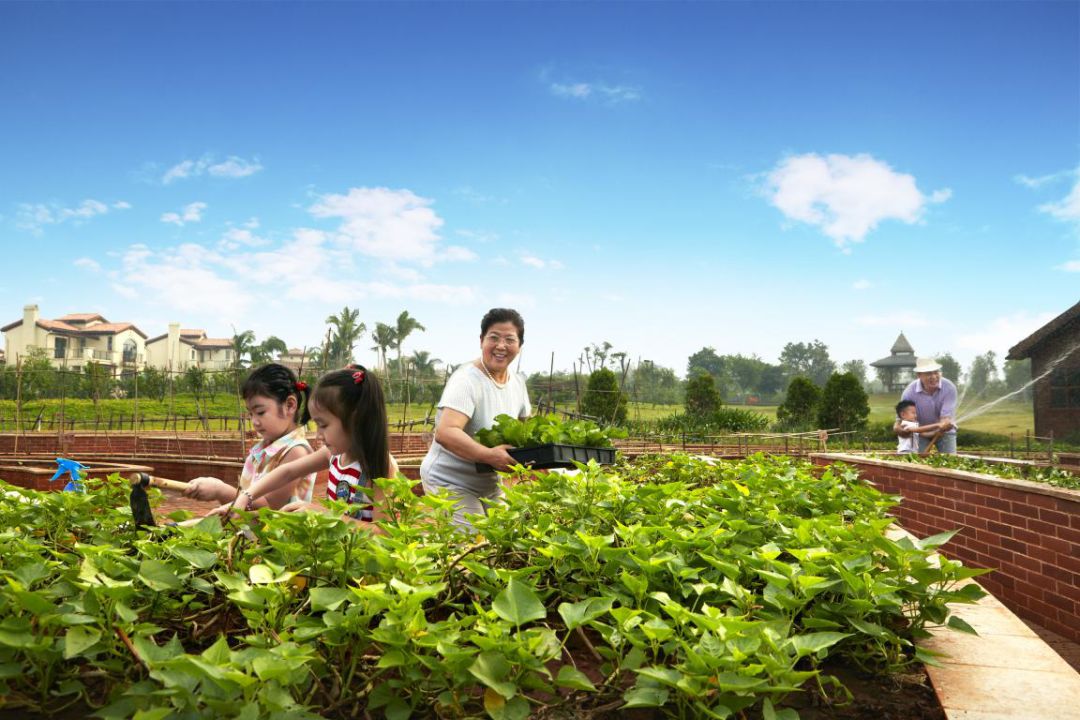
(347, 482)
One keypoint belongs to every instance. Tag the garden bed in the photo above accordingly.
(1027, 532)
(670, 587)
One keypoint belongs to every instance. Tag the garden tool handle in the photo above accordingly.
(933, 439)
(159, 482)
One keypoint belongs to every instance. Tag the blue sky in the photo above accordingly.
(660, 176)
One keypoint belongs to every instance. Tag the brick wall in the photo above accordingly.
(1028, 533)
(182, 444)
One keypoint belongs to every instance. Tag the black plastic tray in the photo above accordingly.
(552, 456)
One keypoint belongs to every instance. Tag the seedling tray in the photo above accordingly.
(552, 456)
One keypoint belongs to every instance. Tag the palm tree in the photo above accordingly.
(385, 338)
(403, 328)
(345, 335)
(264, 352)
(423, 364)
(242, 344)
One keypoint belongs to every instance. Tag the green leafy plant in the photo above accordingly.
(702, 589)
(545, 429)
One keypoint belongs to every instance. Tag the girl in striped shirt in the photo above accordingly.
(350, 419)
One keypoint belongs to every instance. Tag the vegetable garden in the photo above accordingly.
(694, 588)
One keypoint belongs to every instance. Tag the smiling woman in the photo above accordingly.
(475, 394)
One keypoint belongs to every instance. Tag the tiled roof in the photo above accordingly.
(208, 343)
(109, 329)
(82, 317)
(57, 326)
(189, 333)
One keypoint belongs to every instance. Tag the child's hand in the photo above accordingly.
(304, 506)
(209, 488)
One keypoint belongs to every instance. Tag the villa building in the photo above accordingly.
(74, 340)
(180, 349)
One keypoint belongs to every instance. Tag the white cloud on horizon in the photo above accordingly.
(1070, 266)
(846, 196)
(192, 212)
(33, 217)
(231, 167)
(899, 319)
(1037, 182)
(1003, 332)
(861, 284)
(88, 263)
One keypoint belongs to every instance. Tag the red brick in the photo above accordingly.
(1052, 543)
(1014, 545)
(1029, 563)
(1042, 501)
(969, 508)
(1027, 536)
(999, 504)
(1068, 561)
(1062, 602)
(1053, 516)
(1000, 529)
(1069, 534)
(1026, 510)
(1043, 528)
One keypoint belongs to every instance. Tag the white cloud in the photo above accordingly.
(474, 196)
(456, 253)
(846, 196)
(388, 224)
(235, 238)
(612, 94)
(1003, 332)
(192, 212)
(539, 263)
(121, 205)
(35, 216)
(1071, 266)
(231, 167)
(479, 236)
(88, 263)
(898, 320)
(861, 284)
(252, 223)
(235, 167)
(186, 279)
(574, 90)
(1037, 182)
(1068, 208)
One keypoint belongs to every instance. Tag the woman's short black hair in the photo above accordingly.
(278, 382)
(500, 315)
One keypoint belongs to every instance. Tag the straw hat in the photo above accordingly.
(926, 365)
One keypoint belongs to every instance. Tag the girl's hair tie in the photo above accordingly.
(358, 376)
(301, 385)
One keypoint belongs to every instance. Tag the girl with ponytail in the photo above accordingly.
(349, 411)
(277, 403)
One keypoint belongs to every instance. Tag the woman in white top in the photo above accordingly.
(476, 393)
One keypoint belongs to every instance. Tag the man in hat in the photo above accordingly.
(935, 402)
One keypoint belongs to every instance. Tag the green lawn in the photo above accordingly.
(1006, 418)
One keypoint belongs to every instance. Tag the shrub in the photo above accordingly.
(799, 408)
(603, 399)
(702, 397)
(843, 403)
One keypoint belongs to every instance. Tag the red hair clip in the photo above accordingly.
(301, 385)
(358, 377)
